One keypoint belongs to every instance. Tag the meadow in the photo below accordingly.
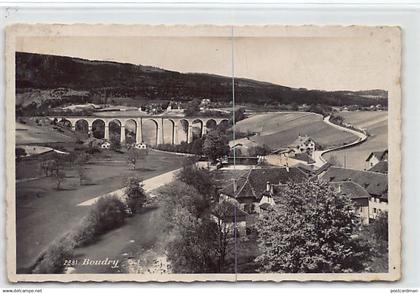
(280, 129)
(376, 125)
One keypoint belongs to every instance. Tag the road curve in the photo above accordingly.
(319, 160)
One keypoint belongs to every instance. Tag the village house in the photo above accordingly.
(299, 153)
(106, 145)
(255, 188)
(359, 196)
(376, 157)
(376, 184)
(380, 167)
(140, 146)
(205, 103)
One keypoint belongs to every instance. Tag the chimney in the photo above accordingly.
(339, 187)
(268, 189)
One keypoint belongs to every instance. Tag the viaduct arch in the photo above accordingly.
(171, 130)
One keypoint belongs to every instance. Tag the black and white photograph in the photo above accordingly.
(198, 153)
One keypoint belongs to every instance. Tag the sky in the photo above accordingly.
(326, 62)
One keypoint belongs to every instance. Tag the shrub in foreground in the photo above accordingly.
(53, 261)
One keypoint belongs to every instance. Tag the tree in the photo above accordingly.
(136, 196)
(259, 150)
(380, 226)
(59, 177)
(197, 146)
(311, 229)
(223, 231)
(239, 115)
(181, 195)
(193, 107)
(215, 145)
(201, 179)
(133, 156)
(191, 250)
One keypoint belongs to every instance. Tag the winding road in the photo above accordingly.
(319, 160)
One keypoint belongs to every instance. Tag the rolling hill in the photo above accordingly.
(376, 124)
(58, 80)
(280, 129)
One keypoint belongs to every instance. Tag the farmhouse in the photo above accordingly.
(140, 146)
(358, 195)
(105, 145)
(291, 157)
(257, 185)
(376, 157)
(376, 184)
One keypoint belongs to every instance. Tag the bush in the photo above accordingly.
(20, 152)
(258, 150)
(53, 261)
(108, 213)
(380, 226)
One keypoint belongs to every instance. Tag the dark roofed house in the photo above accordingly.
(376, 157)
(380, 167)
(249, 189)
(357, 194)
(376, 184)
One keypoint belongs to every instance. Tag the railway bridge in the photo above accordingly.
(166, 129)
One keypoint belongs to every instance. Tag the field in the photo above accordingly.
(376, 124)
(281, 129)
(55, 212)
(29, 133)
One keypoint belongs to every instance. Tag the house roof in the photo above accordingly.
(380, 155)
(375, 183)
(229, 212)
(351, 189)
(254, 182)
(380, 167)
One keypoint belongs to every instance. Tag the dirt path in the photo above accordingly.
(149, 185)
(319, 160)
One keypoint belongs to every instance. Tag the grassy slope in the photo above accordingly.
(376, 124)
(55, 212)
(281, 129)
(26, 134)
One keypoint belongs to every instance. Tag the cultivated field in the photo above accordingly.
(281, 129)
(376, 124)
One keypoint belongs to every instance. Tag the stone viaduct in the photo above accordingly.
(178, 125)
